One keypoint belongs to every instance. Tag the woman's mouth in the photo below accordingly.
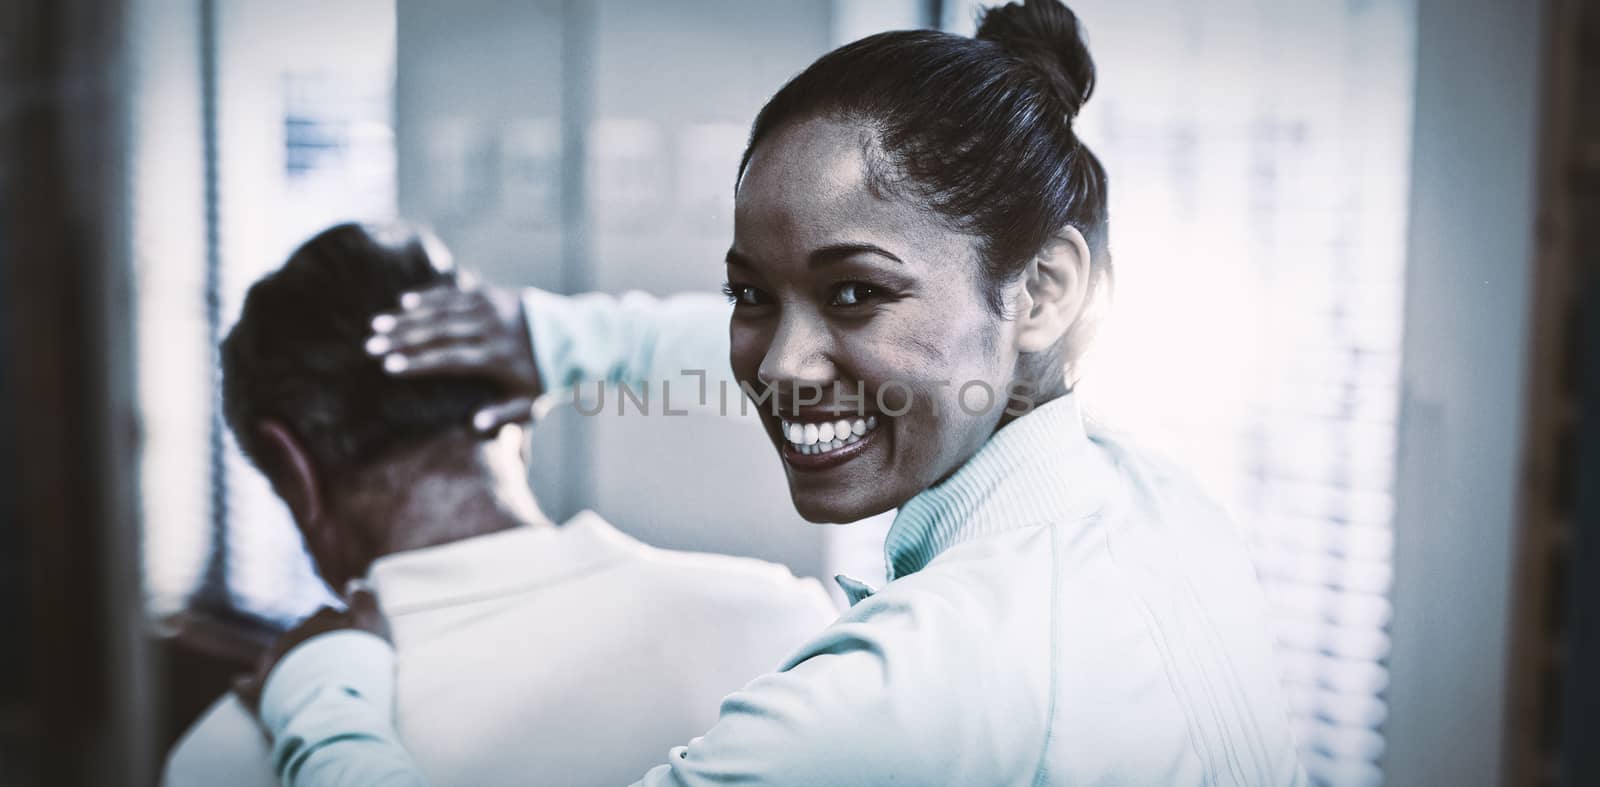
(815, 445)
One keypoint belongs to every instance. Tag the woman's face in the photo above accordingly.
(839, 291)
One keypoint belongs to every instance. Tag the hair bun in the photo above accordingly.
(1044, 34)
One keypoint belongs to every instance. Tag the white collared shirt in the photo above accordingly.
(606, 650)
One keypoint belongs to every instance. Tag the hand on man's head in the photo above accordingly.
(476, 331)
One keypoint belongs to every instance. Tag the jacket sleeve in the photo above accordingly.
(829, 719)
(329, 707)
(634, 338)
(874, 699)
(224, 746)
(889, 694)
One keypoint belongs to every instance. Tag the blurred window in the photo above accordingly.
(1258, 153)
(257, 125)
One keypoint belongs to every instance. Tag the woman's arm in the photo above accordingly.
(536, 342)
(329, 706)
(634, 338)
(899, 690)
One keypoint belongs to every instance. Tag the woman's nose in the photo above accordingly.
(798, 354)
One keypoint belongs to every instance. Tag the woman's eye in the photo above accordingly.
(743, 294)
(853, 294)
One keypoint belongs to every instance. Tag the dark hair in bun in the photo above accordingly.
(977, 129)
(1045, 36)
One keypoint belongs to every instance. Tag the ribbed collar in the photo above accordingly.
(497, 564)
(1037, 470)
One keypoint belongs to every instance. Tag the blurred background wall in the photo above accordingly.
(1469, 279)
(1354, 299)
(77, 702)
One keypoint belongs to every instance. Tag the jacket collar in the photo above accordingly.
(1039, 469)
(497, 564)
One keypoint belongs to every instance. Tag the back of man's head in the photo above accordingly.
(296, 356)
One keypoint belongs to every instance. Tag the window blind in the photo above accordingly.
(257, 125)
(1257, 153)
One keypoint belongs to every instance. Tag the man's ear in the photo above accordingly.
(1055, 286)
(297, 482)
(296, 479)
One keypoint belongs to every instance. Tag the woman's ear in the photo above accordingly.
(295, 480)
(1055, 286)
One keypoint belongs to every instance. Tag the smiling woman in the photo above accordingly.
(840, 290)
(916, 208)
(914, 219)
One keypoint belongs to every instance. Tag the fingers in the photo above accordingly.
(438, 316)
(490, 419)
(443, 296)
(365, 615)
(451, 332)
(413, 334)
(419, 309)
(248, 688)
(461, 360)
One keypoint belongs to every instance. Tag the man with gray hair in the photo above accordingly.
(390, 485)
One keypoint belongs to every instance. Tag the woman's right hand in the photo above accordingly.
(361, 613)
(472, 332)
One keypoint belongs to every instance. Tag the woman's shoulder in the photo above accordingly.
(976, 600)
(1153, 485)
(936, 657)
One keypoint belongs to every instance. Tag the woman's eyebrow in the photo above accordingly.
(838, 252)
(826, 255)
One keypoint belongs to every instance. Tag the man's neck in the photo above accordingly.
(463, 518)
(435, 510)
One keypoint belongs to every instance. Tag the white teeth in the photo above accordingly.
(820, 438)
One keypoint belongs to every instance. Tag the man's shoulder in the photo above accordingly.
(728, 584)
(224, 746)
(733, 578)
